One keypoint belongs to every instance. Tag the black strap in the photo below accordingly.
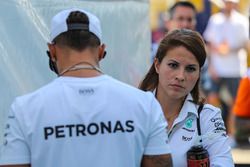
(78, 26)
(198, 120)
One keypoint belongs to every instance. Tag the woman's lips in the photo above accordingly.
(176, 86)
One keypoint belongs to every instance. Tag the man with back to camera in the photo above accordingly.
(83, 117)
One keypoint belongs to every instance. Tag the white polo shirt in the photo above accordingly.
(184, 135)
(74, 122)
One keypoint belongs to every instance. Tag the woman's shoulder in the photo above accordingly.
(212, 119)
(210, 112)
(211, 108)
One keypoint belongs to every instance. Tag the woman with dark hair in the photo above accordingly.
(174, 79)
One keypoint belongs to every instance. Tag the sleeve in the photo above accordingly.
(216, 140)
(157, 142)
(240, 41)
(245, 29)
(14, 149)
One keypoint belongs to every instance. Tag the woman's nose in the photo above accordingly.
(180, 75)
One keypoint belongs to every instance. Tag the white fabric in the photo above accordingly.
(234, 30)
(235, 1)
(24, 33)
(184, 135)
(59, 24)
(74, 122)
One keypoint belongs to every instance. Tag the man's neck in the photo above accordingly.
(81, 69)
(227, 13)
(79, 64)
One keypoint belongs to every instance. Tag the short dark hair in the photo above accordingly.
(181, 3)
(77, 39)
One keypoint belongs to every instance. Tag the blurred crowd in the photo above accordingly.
(224, 25)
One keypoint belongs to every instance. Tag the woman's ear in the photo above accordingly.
(156, 64)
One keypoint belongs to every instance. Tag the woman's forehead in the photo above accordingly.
(181, 53)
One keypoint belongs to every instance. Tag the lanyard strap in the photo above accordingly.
(198, 120)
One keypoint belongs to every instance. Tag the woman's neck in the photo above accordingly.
(171, 107)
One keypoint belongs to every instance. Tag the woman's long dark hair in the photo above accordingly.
(189, 39)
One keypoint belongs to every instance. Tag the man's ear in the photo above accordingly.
(102, 52)
(52, 51)
(157, 65)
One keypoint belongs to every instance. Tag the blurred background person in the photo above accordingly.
(182, 14)
(226, 35)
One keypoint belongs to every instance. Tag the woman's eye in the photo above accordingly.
(191, 69)
(173, 65)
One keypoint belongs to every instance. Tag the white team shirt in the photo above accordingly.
(184, 135)
(75, 122)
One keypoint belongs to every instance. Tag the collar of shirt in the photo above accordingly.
(188, 108)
